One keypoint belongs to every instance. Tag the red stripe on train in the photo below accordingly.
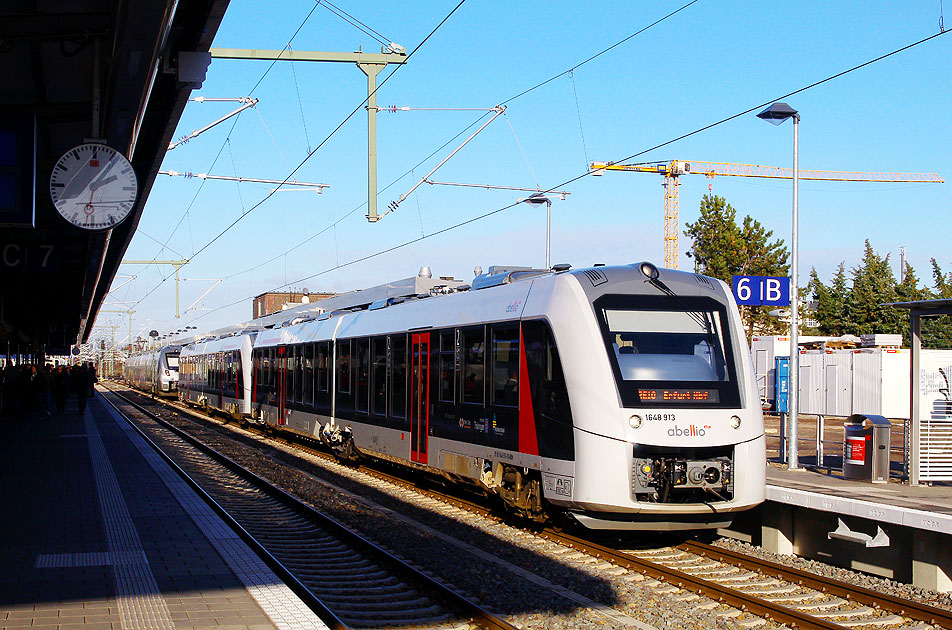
(528, 440)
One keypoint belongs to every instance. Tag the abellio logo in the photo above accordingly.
(691, 431)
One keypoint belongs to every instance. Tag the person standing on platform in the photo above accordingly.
(91, 368)
(61, 386)
(10, 394)
(81, 386)
(29, 395)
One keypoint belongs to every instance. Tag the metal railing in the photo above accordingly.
(820, 447)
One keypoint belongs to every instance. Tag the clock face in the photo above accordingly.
(93, 186)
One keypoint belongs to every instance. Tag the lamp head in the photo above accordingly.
(777, 113)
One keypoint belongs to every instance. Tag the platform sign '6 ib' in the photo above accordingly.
(761, 290)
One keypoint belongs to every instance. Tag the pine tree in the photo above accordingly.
(721, 250)
(937, 331)
(873, 286)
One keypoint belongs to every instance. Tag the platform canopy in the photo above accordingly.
(926, 307)
(75, 72)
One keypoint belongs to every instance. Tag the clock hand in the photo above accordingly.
(99, 183)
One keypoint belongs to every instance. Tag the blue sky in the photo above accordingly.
(708, 62)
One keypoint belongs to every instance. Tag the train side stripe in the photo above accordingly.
(528, 441)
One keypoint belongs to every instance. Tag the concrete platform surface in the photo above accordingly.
(98, 532)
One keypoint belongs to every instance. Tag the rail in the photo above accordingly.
(477, 615)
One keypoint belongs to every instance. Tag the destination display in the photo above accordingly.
(678, 396)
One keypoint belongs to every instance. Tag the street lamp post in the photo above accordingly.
(536, 199)
(776, 114)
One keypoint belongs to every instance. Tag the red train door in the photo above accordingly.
(419, 395)
(280, 384)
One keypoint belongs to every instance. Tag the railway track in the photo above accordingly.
(359, 584)
(769, 590)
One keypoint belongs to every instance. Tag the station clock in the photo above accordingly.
(93, 186)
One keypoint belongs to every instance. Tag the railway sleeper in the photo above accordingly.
(393, 587)
(420, 607)
(771, 590)
(864, 611)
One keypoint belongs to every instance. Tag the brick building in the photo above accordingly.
(272, 302)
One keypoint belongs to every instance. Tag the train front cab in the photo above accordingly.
(668, 432)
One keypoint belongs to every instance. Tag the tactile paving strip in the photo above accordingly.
(279, 602)
(138, 597)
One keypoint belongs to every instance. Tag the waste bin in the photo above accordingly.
(866, 448)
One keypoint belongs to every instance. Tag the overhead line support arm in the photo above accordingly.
(369, 63)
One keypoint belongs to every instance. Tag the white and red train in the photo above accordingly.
(156, 369)
(621, 396)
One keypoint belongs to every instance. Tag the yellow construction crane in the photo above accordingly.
(672, 171)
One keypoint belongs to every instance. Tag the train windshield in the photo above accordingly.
(669, 352)
(172, 360)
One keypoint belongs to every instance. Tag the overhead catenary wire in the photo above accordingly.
(499, 210)
(350, 19)
(615, 45)
(394, 109)
(359, 206)
(323, 142)
(599, 54)
(228, 136)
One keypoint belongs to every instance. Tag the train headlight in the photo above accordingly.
(735, 422)
(634, 421)
(648, 270)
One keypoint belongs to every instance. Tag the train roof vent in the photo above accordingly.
(379, 304)
(596, 276)
(294, 321)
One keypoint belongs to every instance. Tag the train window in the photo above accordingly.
(273, 372)
(300, 353)
(447, 365)
(362, 376)
(268, 371)
(669, 351)
(308, 373)
(322, 372)
(550, 397)
(256, 375)
(343, 366)
(667, 345)
(473, 374)
(505, 365)
(378, 370)
(398, 376)
(239, 381)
